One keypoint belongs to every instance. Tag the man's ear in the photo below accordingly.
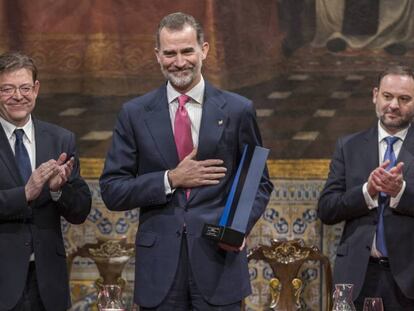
(205, 48)
(375, 92)
(36, 88)
(157, 54)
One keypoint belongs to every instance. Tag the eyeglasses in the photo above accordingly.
(10, 90)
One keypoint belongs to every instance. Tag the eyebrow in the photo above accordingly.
(184, 50)
(12, 85)
(188, 49)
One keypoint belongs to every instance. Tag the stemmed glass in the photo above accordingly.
(342, 298)
(373, 304)
(110, 298)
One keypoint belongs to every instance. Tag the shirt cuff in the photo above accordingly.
(167, 185)
(394, 201)
(371, 203)
(55, 195)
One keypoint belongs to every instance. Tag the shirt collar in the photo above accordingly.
(383, 133)
(9, 128)
(196, 93)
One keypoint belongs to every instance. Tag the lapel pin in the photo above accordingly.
(220, 122)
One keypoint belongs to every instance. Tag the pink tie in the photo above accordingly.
(182, 131)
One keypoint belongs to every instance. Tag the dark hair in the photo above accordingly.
(177, 21)
(396, 70)
(12, 61)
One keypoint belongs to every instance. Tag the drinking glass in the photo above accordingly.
(342, 298)
(110, 298)
(373, 304)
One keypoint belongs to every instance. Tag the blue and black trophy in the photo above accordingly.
(231, 229)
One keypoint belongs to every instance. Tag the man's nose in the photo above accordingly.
(180, 60)
(394, 103)
(17, 95)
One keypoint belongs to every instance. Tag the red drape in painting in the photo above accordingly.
(106, 47)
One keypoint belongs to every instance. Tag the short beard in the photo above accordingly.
(395, 125)
(179, 82)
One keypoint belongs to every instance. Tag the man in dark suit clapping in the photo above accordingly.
(371, 187)
(39, 183)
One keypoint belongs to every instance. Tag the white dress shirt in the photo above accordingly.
(193, 106)
(194, 109)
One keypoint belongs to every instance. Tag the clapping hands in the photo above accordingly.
(54, 172)
(389, 182)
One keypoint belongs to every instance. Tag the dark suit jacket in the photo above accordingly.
(37, 225)
(142, 149)
(355, 157)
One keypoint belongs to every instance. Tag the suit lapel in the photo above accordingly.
(406, 154)
(7, 156)
(158, 122)
(369, 151)
(44, 143)
(213, 122)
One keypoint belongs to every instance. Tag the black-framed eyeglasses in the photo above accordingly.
(10, 90)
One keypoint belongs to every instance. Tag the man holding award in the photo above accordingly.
(186, 155)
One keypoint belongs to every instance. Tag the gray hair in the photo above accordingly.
(12, 61)
(177, 21)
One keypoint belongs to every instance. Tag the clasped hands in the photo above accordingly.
(54, 172)
(389, 182)
(191, 173)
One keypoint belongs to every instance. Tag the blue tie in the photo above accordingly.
(21, 156)
(383, 198)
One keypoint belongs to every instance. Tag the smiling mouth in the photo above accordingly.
(17, 103)
(394, 113)
(17, 106)
(181, 71)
